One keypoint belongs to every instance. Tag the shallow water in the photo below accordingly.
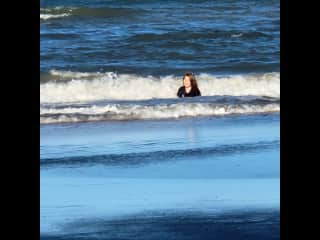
(112, 170)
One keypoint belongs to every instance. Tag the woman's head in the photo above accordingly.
(189, 80)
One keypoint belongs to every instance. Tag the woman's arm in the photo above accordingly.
(180, 92)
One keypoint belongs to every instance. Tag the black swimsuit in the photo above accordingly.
(193, 93)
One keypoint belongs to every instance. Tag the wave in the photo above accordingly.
(66, 86)
(60, 35)
(50, 16)
(58, 12)
(156, 156)
(111, 112)
(183, 35)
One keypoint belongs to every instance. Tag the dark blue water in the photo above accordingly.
(160, 37)
(181, 226)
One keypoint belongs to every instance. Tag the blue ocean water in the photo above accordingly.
(160, 37)
(93, 53)
(96, 178)
(121, 157)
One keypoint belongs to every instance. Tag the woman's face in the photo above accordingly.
(187, 82)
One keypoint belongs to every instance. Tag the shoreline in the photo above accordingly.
(249, 225)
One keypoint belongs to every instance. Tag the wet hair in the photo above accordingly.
(192, 78)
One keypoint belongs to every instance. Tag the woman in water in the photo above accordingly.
(190, 86)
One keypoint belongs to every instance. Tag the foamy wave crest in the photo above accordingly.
(50, 16)
(160, 111)
(56, 12)
(64, 75)
(68, 86)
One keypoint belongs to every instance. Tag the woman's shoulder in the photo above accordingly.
(197, 92)
(181, 89)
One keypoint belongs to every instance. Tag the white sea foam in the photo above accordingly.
(161, 111)
(50, 16)
(83, 87)
(237, 35)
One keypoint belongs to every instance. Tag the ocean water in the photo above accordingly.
(121, 157)
(96, 54)
(160, 38)
(205, 177)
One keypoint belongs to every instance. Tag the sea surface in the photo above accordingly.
(121, 157)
